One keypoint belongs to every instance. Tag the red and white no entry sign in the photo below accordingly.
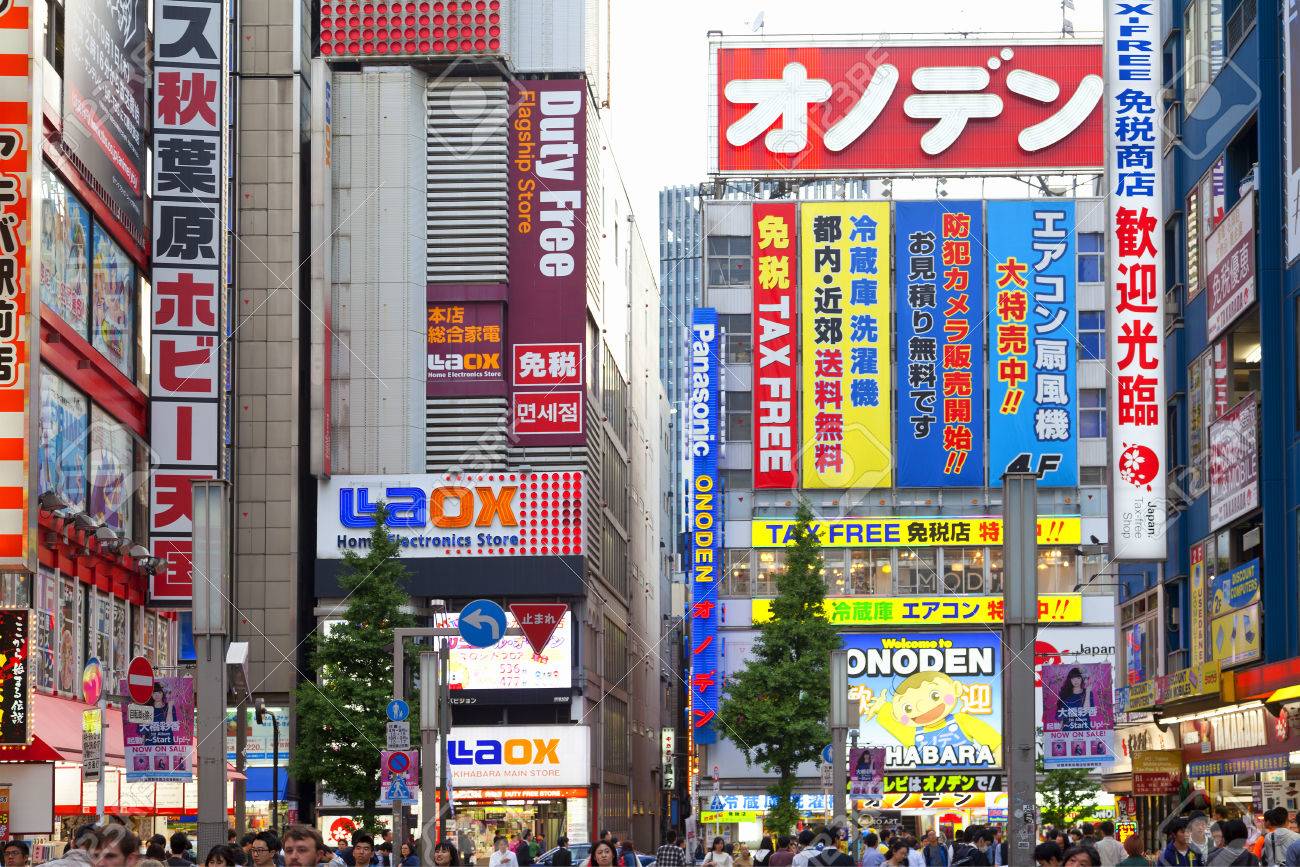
(139, 680)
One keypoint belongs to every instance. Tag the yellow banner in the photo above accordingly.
(911, 532)
(935, 801)
(1234, 637)
(930, 610)
(724, 817)
(845, 288)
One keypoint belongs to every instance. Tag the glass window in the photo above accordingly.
(1092, 412)
(15, 590)
(728, 260)
(739, 348)
(1140, 651)
(870, 572)
(1193, 232)
(101, 622)
(917, 572)
(1092, 475)
(65, 253)
(116, 669)
(833, 570)
(113, 282)
(770, 563)
(616, 735)
(736, 480)
(615, 651)
(1092, 335)
(62, 451)
(995, 569)
(963, 570)
(740, 416)
(1092, 257)
(1056, 572)
(47, 628)
(736, 582)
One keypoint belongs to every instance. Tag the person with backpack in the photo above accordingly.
(1178, 852)
(524, 850)
(1233, 851)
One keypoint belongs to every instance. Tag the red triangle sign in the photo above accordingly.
(538, 620)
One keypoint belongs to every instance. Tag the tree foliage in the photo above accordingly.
(342, 714)
(1065, 795)
(775, 708)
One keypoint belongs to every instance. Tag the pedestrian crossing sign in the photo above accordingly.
(398, 790)
(717, 804)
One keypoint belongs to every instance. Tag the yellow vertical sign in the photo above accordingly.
(1198, 605)
(846, 377)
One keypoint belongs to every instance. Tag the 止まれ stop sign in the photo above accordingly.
(139, 680)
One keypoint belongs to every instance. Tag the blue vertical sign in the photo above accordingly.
(706, 521)
(1033, 412)
(939, 253)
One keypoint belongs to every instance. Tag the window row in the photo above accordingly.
(899, 571)
(75, 622)
(87, 457)
(86, 279)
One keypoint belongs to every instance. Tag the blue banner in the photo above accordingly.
(939, 253)
(706, 522)
(1033, 411)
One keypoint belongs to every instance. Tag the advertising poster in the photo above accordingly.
(1291, 107)
(70, 631)
(113, 281)
(104, 61)
(932, 700)
(15, 676)
(1078, 715)
(707, 519)
(509, 671)
(466, 349)
(866, 771)
(1135, 244)
(940, 376)
(1157, 772)
(1235, 615)
(961, 610)
(65, 252)
(1230, 261)
(548, 247)
(911, 532)
(776, 343)
(62, 446)
(112, 470)
(159, 736)
(5, 793)
(1196, 589)
(845, 340)
(1033, 408)
(1234, 463)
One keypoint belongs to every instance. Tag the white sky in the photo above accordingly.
(659, 101)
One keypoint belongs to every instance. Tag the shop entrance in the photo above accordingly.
(477, 824)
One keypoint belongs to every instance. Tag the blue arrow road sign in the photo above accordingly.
(398, 710)
(482, 623)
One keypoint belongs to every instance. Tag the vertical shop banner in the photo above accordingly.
(776, 345)
(1196, 580)
(866, 772)
(159, 736)
(847, 382)
(189, 240)
(706, 515)
(1078, 715)
(933, 701)
(1033, 408)
(104, 69)
(1291, 136)
(548, 250)
(1157, 772)
(1135, 286)
(466, 349)
(1234, 463)
(1235, 615)
(1230, 267)
(16, 667)
(940, 301)
(19, 346)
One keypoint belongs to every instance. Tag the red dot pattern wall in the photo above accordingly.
(378, 28)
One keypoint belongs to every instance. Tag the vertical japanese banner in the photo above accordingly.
(706, 515)
(1078, 715)
(1033, 409)
(16, 676)
(1136, 296)
(1197, 589)
(158, 737)
(845, 286)
(939, 274)
(776, 343)
(189, 239)
(19, 300)
(1291, 140)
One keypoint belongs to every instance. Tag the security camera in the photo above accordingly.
(138, 552)
(51, 502)
(85, 523)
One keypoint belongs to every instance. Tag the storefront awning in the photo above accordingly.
(59, 722)
(37, 751)
(259, 783)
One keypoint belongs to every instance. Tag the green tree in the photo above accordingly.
(775, 708)
(341, 715)
(1065, 795)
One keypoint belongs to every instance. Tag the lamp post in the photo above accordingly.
(260, 716)
(839, 725)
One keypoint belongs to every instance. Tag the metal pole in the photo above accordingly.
(399, 692)
(839, 724)
(241, 764)
(275, 774)
(444, 732)
(430, 795)
(211, 610)
(1020, 626)
(103, 739)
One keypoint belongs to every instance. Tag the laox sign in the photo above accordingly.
(515, 751)
(412, 508)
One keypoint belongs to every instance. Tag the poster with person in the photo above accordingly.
(1078, 715)
(159, 735)
(866, 772)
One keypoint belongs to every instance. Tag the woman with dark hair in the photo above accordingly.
(764, 852)
(1074, 702)
(603, 854)
(222, 856)
(1080, 856)
(444, 855)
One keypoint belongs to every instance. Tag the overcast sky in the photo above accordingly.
(659, 69)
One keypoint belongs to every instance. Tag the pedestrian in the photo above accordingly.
(973, 855)
(669, 854)
(1198, 834)
(807, 848)
(783, 856)
(1047, 854)
(501, 854)
(1136, 857)
(1080, 856)
(1088, 832)
(764, 852)
(1277, 836)
(1233, 850)
(871, 856)
(407, 858)
(363, 850)
(264, 849)
(303, 846)
(915, 857)
(16, 852)
(1178, 852)
(178, 846)
(222, 856)
(539, 845)
(627, 855)
(830, 855)
(897, 853)
(562, 857)
(115, 846)
(603, 854)
(717, 855)
(523, 849)
(444, 855)
(960, 852)
(1076, 837)
(1111, 850)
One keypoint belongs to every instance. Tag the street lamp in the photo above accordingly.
(259, 715)
(839, 720)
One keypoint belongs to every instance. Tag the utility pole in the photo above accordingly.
(211, 625)
(1020, 626)
(430, 730)
(839, 733)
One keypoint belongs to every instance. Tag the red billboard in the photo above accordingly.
(939, 107)
(547, 310)
(466, 348)
(449, 27)
(775, 270)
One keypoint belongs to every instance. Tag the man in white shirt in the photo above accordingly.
(501, 854)
(1111, 850)
(807, 848)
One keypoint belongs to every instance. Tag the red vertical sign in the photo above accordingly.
(775, 343)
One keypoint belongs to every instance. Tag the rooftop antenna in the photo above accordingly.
(756, 26)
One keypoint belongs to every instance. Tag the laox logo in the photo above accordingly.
(516, 751)
(464, 361)
(448, 507)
